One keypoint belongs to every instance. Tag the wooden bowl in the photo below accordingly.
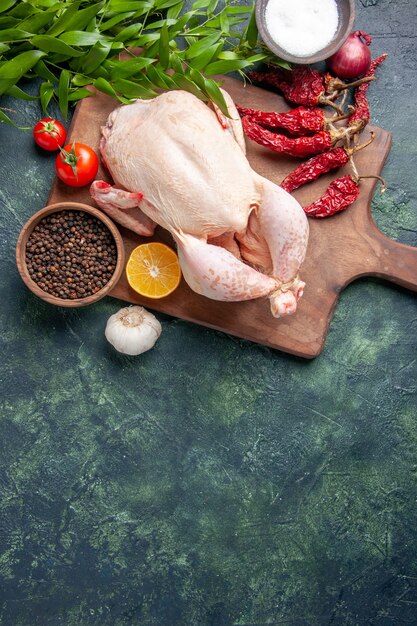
(27, 231)
(346, 10)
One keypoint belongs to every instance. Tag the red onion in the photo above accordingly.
(353, 58)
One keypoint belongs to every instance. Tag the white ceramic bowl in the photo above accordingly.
(346, 10)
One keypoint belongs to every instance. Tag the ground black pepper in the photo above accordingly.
(71, 255)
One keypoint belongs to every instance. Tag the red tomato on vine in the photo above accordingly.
(49, 134)
(77, 164)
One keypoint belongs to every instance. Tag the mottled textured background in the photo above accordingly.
(212, 481)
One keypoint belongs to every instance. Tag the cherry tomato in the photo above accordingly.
(77, 164)
(49, 134)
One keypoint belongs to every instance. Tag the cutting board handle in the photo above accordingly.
(391, 260)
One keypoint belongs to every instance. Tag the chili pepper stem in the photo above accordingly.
(339, 85)
(382, 181)
(343, 115)
(344, 134)
(329, 103)
(338, 118)
(362, 145)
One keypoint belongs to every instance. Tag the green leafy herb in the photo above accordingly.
(11, 71)
(46, 92)
(70, 44)
(63, 90)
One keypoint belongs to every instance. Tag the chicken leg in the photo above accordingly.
(123, 207)
(216, 273)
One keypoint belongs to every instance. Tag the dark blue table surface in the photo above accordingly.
(212, 481)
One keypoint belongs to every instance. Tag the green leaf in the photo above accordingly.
(212, 6)
(8, 22)
(43, 71)
(174, 10)
(199, 47)
(238, 10)
(119, 6)
(160, 23)
(81, 38)
(160, 5)
(147, 83)
(213, 91)
(47, 4)
(229, 54)
(16, 92)
(216, 24)
(78, 80)
(81, 19)
(192, 35)
(116, 19)
(128, 33)
(125, 69)
(179, 24)
(38, 21)
(4, 48)
(146, 39)
(78, 94)
(131, 89)
(103, 85)
(197, 78)
(224, 22)
(100, 72)
(95, 56)
(5, 5)
(200, 4)
(188, 85)
(224, 67)
(12, 71)
(213, 24)
(164, 47)
(176, 63)
(46, 92)
(251, 33)
(258, 57)
(158, 77)
(201, 60)
(74, 18)
(51, 44)
(14, 34)
(22, 10)
(62, 22)
(63, 87)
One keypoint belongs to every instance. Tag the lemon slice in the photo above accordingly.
(153, 270)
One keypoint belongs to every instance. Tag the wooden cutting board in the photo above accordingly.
(341, 248)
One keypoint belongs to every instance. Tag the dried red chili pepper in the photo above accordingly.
(315, 167)
(339, 195)
(294, 146)
(305, 86)
(361, 115)
(320, 164)
(299, 121)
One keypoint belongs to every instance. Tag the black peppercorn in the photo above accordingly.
(64, 254)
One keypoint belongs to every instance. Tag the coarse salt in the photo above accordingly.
(302, 27)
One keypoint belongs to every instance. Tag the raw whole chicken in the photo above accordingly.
(181, 164)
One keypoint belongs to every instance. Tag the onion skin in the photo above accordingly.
(353, 58)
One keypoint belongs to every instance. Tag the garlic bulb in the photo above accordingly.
(132, 330)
